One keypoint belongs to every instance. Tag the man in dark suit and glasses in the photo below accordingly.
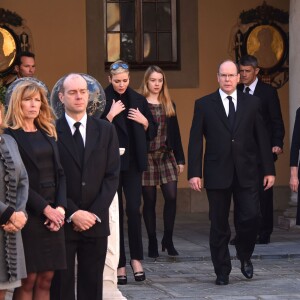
(233, 143)
(271, 113)
(89, 152)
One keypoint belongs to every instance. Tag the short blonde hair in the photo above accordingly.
(15, 117)
(118, 67)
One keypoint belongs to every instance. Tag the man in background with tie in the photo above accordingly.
(271, 113)
(89, 153)
(234, 131)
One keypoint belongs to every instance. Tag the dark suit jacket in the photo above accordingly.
(271, 111)
(36, 203)
(294, 154)
(226, 152)
(93, 186)
(121, 123)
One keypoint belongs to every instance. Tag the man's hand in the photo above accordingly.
(196, 184)
(83, 220)
(277, 150)
(269, 181)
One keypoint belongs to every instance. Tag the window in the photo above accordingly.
(142, 32)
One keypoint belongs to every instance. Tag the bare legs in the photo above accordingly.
(35, 287)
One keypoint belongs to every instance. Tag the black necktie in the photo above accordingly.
(247, 90)
(231, 113)
(79, 141)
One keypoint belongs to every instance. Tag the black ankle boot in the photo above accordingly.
(153, 248)
(167, 243)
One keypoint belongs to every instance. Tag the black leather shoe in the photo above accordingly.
(247, 268)
(233, 241)
(222, 279)
(263, 240)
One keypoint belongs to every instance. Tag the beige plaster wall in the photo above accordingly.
(59, 32)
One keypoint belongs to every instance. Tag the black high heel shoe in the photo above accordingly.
(168, 244)
(122, 279)
(138, 276)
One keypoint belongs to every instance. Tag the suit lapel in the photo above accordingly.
(66, 138)
(240, 108)
(92, 137)
(220, 109)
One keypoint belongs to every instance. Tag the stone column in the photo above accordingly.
(289, 218)
(110, 287)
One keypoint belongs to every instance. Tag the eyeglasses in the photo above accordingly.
(118, 65)
(229, 76)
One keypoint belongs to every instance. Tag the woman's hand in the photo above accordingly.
(53, 215)
(16, 222)
(180, 169)
(51, 225)
(137, 116)
(116, 108)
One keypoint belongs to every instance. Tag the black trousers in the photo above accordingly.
(246, 206)
(91, 254)
(131, 185)
(266, 209)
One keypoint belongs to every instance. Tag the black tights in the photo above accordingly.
(169, 191)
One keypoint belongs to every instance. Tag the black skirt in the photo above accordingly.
(44, 249)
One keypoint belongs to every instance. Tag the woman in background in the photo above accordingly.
(31, 122)
(134, 123)
(13, 198)
(165, 160)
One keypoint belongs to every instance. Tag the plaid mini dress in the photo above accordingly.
(162, 166)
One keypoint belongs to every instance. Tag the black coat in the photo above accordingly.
(93, 186)
(135, 100)
(294, 154)
(36, 203)
(271, 111)
(174, 139)
(228, 153)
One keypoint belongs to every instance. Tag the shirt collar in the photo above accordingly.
(224, 95)
(252, 86)
(71, 121)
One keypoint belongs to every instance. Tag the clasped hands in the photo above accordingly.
(55, 217)
(83, 220)
(16, 222)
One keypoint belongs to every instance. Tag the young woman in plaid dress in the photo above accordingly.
(165, 160)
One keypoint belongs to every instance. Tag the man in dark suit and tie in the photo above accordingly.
(272, 117)
(235, 135)
(89, 152)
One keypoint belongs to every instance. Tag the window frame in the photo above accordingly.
(139, 63)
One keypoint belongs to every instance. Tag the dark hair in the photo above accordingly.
(24, 53)
(248, 60)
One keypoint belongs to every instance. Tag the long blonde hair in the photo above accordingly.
(164, 96)
(15, 116)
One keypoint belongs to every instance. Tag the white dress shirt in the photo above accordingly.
(225, 100)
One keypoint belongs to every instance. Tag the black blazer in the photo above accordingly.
(36, 203)
(174, 139)
(121, 123)
(93, 186)
(226, 152)
(271, 111)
